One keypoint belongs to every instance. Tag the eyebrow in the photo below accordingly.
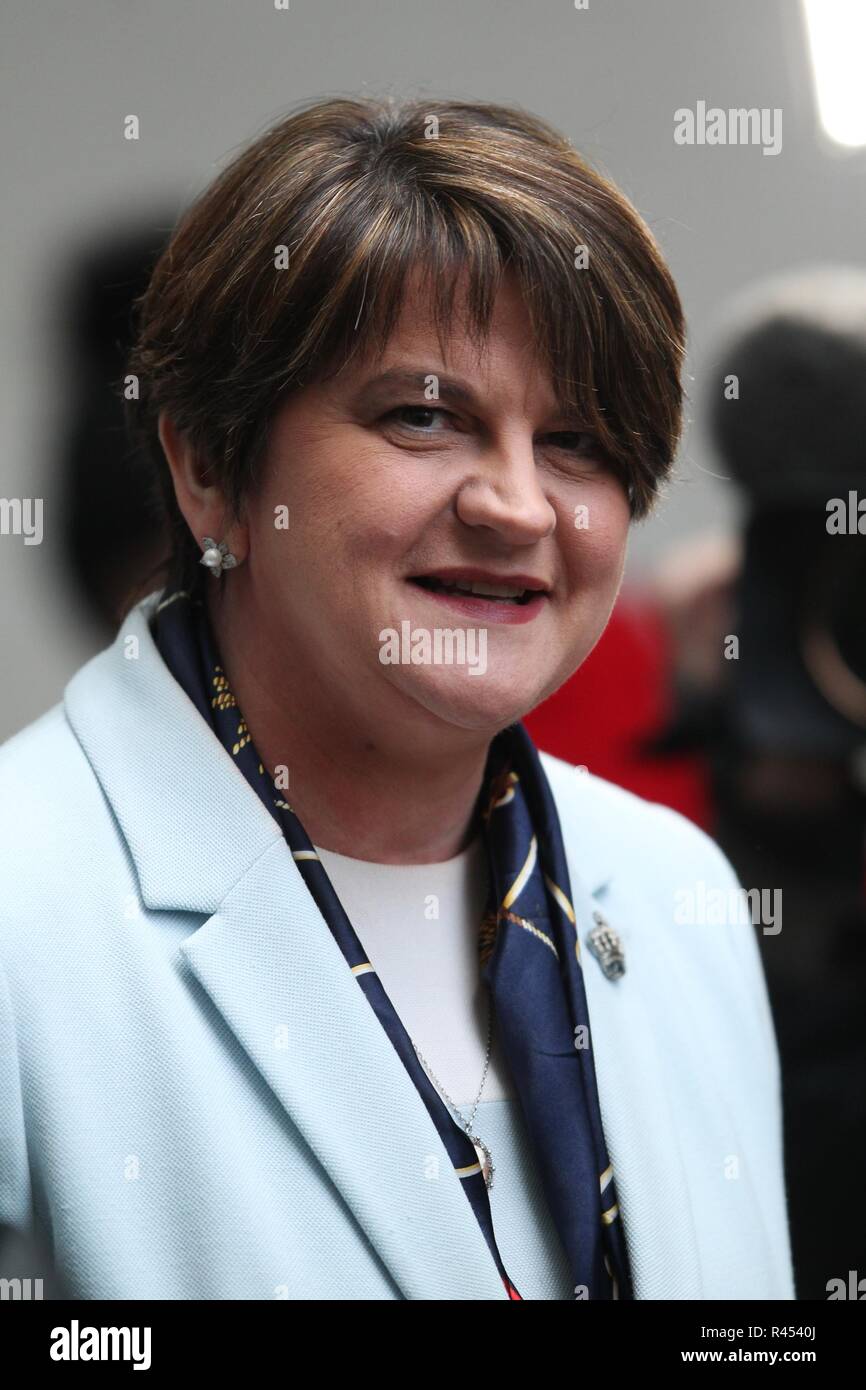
(408, 379)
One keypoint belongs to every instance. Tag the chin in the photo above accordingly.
(476, 703)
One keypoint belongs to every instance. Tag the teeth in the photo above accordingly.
(487, 590)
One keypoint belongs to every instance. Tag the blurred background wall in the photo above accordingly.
(203, 77)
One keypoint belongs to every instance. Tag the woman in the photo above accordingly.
(319, 981)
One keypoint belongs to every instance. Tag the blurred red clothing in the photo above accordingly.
(620, 696)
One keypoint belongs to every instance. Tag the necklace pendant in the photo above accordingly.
(484, 1158)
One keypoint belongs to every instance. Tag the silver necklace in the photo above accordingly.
(484, 1156)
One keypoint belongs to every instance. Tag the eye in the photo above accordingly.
(424, 411)
(577, 442)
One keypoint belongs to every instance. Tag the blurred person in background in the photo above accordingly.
(113, 527)
(778, 714)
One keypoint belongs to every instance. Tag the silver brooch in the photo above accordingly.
(607, 948)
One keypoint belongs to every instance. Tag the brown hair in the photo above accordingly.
(360, 192)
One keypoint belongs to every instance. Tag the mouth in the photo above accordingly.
(516, 591)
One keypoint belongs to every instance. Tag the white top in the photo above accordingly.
(419, 925)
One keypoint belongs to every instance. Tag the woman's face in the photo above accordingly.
(395, 496)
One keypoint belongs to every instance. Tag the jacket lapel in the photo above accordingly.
(203, 843)
(270, 964)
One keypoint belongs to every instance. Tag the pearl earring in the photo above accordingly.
(217, 556)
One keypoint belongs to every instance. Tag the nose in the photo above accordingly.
(503, 494)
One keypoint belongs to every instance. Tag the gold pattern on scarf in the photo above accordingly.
(490, 926)
(501, 791)
(224, 699)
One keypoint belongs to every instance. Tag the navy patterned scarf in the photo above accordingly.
(529, 956)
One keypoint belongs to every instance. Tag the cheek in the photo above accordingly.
(302, 512)
(352, 522)
(594, 550)
(360, 502)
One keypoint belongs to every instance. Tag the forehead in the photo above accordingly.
(495, 366)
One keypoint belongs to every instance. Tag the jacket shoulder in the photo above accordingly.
(624, 830)
(43, 769)
(57, 831)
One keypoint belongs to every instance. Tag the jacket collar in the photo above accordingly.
(157, 762)
(203, 843)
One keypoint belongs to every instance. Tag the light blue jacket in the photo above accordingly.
(197, 1101)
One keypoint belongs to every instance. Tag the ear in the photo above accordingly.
(202, 504)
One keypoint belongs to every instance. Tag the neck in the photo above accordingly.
(393, 790)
